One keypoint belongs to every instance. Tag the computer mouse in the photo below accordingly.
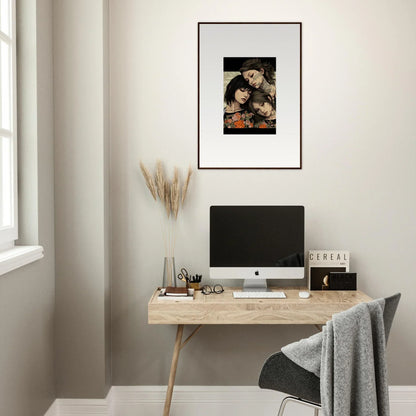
(304, 295)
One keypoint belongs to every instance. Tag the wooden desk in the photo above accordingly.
(223, 309)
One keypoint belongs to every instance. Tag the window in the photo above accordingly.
(11, 256)
(8, 145)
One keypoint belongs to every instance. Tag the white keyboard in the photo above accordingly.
(259, 295)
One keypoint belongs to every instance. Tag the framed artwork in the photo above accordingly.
(249, 95)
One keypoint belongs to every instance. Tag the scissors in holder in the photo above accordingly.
(184, 275)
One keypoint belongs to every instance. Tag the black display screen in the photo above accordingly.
(257, 236)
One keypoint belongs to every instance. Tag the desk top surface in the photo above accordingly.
(223, 309)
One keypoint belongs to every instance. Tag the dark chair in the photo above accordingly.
(282, 374)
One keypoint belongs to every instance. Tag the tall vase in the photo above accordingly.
(169, 275)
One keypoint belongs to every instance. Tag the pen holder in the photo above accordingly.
(194, 285)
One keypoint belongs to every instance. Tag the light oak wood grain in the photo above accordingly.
(217, 309)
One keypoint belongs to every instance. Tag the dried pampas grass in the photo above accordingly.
(169, 193)
(166, 199)
(160, 180)
(149, 180)
(175, 193)
(170, 196)
(186, 184)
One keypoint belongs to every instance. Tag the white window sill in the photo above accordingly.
(19, 256)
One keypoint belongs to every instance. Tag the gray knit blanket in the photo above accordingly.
(349, 357)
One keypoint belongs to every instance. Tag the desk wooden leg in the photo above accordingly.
(173, 367)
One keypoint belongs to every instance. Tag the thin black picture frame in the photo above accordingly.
(200, 126)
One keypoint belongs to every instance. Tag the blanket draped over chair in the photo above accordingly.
(349, 357)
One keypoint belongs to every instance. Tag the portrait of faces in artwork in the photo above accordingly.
(250, 95)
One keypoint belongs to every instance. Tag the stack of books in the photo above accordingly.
(176, 293)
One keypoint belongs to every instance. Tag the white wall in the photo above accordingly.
(27, 295)
(357, 183)
(82, 321)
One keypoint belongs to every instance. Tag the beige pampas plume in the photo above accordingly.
(166, 200)
(169, 194)
(160, 181)
(186, 184)
(175, 194)
(149, 180)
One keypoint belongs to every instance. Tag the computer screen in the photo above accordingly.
(257, 242)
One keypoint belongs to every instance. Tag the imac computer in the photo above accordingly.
(256, 243)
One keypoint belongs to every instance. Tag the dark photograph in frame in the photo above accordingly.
(250, 95)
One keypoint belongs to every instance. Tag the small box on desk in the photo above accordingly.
(342, 281)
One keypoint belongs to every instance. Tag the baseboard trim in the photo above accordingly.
(85, 407)
(402, 393)
(215, 400)
(53, 410)
(190, 394)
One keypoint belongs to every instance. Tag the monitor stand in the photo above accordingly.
(255, 285)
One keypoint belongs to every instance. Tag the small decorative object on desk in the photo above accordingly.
(172, 195)
(194, 281)
(322, 263)
(169, 272)
(176, 294)
(342, 281)
(190, 281)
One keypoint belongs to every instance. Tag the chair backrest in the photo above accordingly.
(389, 311)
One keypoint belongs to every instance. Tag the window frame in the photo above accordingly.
(14, 256)
(9, 234)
